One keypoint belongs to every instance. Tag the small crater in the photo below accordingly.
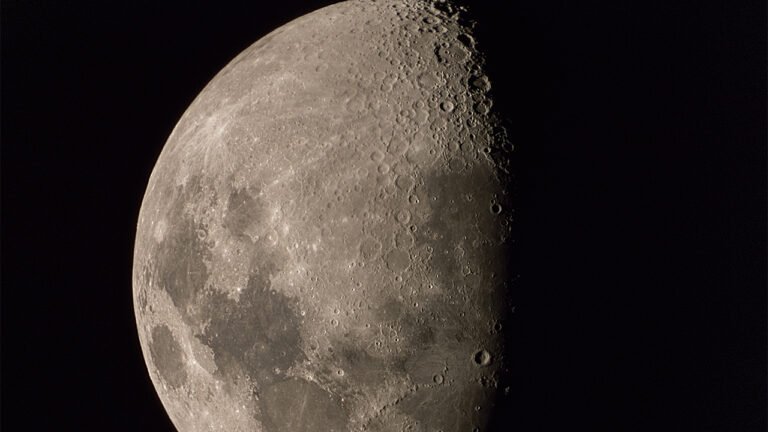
(466, 39)
(369, 248)
(404, 240)
(397, 260)
(404, 182)
(480, 83)
(456, 164)
(482, 358)
(397, 147)
(427, 80)
(403, 216)
(377, 156)
(483, 107)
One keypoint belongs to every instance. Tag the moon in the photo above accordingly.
(324, 241)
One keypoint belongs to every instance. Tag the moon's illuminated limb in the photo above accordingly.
(323, 241)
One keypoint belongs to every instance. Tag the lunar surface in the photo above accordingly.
(324, 241)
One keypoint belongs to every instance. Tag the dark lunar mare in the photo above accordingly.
(168, 357)
(180, 264)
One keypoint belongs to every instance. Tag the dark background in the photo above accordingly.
(640, 129)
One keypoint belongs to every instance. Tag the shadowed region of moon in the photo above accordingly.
(324, 242)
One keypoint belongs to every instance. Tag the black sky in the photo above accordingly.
(640, 134)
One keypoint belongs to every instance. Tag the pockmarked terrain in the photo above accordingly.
(324, 240)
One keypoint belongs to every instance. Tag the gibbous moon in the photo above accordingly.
(324, 241)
